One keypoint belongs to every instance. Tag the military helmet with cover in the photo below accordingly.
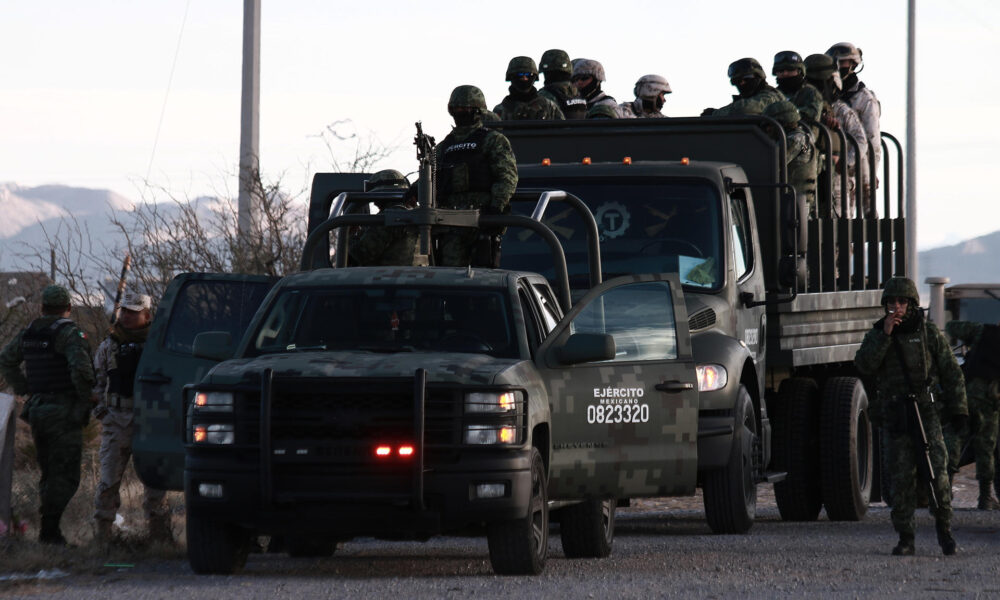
(783, 112)
(585, 67)
(900, 287)
(387, 179)
(521, 64)
(55, 296)
(845, 51)
(467, 96)
(787, 60)
(745, 67)
(556, 60)
(819, 67)
(650, 86)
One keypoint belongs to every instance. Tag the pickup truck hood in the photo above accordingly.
(452, 367)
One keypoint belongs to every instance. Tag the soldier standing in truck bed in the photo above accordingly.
(755, 94)
(524, 101)
(387, 246)
(650, 95)
(557, 69)
(475, 170)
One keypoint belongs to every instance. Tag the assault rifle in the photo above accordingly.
(425, 186)
(925, 469)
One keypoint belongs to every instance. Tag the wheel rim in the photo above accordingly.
(863, 449)
(608, 518)
(539, 528)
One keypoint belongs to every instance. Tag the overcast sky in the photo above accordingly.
(83, 84)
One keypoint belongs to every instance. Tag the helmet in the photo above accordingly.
(845, 51)
(820, 66)
(55, 296)
(788, 59)
(602, 111)
(745, 67)
(556, 60)
(783, 112)
(650, 86)
(387, 179)
(900, 286)
(521, 64)
(467, 95)
(586, 66)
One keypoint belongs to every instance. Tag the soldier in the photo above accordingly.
(587, 77)
(385, 246)
(790, 74)
(911, 362)
(558, 70)
(837, 115)
(982, 388)
(475, 170)
(524, 101)
(755, 94)
(862, 99)
(800, 151)
(650, 94)
(115, 364)
(58, 377)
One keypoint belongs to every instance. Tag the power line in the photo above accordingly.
(166, 95)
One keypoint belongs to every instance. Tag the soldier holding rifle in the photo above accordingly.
(914, 368)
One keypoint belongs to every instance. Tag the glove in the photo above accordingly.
(959, 422)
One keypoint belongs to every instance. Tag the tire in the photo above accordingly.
(521, 546)
(310, 547)
(796, 432)
(996, 469)
(214, 547)
(730, 493)
(588, 529)
(845, 449)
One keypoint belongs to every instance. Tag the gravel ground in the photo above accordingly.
(663, 548)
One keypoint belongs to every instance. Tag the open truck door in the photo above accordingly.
(193, 303)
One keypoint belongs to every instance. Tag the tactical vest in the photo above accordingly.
(466, 155)
(573, 106)
(47, 370)
(984, 358)
(520, 110)
(121, 379)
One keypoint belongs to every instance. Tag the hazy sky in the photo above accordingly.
(83, 84)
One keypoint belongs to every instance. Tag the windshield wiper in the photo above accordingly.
(294, 348)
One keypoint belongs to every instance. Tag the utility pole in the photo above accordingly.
(911, 143)
(249, 117)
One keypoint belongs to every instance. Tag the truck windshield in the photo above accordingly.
(386, 319)
(646, 225)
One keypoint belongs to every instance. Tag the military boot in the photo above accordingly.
(50, 533)
(987, 501)
(160, 530)
(905, 546)
(948, 545)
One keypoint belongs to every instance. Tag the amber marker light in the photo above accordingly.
(507, 435)
(200, 433)
(406, 450)
(506, 401)
(383, 451)
(586, 160)
(685, 161)
(201, 399)
(546, 162)
(627, 160)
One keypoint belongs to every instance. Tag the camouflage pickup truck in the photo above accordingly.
(404, 402)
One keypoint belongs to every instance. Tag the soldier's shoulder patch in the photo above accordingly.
(82, 333)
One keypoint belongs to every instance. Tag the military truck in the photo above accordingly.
(404, 402)
(778, 301)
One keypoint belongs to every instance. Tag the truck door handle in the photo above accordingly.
(674, 386)
(155, 378)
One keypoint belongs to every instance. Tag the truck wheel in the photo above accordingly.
(520, 547)
(214, 547)
(730, 493)
(796, 433)
(846, 449)
(310, 547)
(588, 529)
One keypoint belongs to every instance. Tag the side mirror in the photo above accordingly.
(586, 347)
(213, 345)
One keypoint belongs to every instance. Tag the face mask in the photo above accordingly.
(790, 85)
(522, 86)
(748, 87)
(653, 105)
(465, 118)
(844, 72)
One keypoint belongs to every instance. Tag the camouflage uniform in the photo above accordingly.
(524, 101)
(749, 73)
(649, 91)
(115, 364)
(803, 95)
(851, 126)
(801, 155)
(928, 365)
(983, 393)
(584, 67)
(558, 69)
(475, 170)
(58, 378)
(387, 246)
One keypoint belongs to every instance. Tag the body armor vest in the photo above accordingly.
(47, 370)
(467, 154)
(573, 107)
(121, 379)
(519, 110)
(984, 359)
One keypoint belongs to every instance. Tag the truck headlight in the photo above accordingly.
(491, 402)
(213, 434)
(213, 401)
(711, 377)
(490, 434)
